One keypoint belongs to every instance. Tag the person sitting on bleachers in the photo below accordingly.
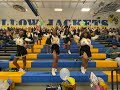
(97, 31)
(114, 53)
(111, 33)
(5, 42)
(118, 35)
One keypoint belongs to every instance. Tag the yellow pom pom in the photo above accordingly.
(71, 80)
(5, 81)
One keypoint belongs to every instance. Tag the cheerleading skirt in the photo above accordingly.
(21, 51)
(55, 47)
(85, 49)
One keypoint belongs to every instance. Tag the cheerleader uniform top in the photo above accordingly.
(40, 33)
(85, 46)
(20, 42)
(68, 37)
(48, 36)
(55, 40)
(85, 41)
(62, 34)
(30, 36)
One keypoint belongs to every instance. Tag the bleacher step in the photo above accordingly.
(61, 64)
(46, 77)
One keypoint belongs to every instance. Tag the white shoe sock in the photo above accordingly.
(85, 70)
(53, 72)
(82, 70)
(69, 52)
(21, 70)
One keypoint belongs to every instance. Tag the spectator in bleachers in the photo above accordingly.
(97, 31)
(114, 53)
(111, 33)
(118, 35)
(1, 35)
(5, 42)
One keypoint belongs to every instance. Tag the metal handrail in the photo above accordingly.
(112, 78)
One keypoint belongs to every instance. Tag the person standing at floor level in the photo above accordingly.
(55, 51)
(21, 51)
(85, 42)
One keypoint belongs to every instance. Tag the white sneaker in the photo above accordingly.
(21, 70)
(53, 72)
(69, 52)
(82, 70)
(85, 70)
(24, 70)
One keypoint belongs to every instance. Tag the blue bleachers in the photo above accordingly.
(37, 77)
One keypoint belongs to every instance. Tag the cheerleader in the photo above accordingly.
(77, 37)
(21, 51)
(40, 34)
(55, 51)
(30, 39)
(48, 41)
(85, 52)
(67, 40)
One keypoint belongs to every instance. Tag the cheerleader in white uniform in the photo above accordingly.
(30, 40)
(85, 52)
(55, 51)
(48, 41)
(67, 40)
(21, 51)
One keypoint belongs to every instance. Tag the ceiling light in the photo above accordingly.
(85, 9)
(58, 9)
(118, 10)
